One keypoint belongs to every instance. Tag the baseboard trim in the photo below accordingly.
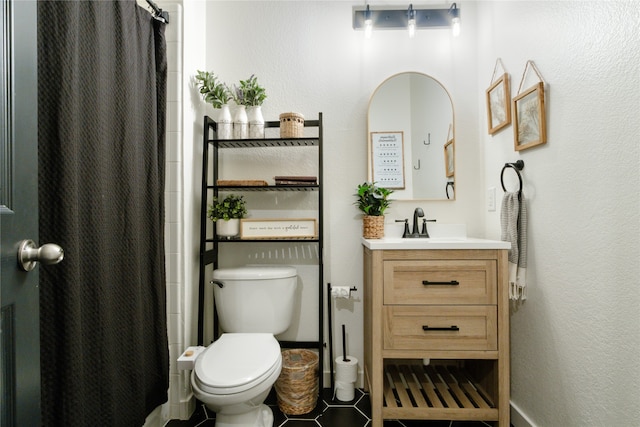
(187, 407)
(518, 418)
(155, 419)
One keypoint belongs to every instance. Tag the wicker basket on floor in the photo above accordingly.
(291, 125)
(297, 386)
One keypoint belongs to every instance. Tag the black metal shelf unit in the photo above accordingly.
(210, 244)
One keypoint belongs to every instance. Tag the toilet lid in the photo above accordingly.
(237, 362)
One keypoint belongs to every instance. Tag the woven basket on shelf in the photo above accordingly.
(373, 227)
(291, 125)
(297, 386)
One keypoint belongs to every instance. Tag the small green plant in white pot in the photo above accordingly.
(217, 94)
(249, 93)
(213, 92)
(227, 213)
(249, 97)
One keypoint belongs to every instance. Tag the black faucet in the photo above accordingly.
(416, 213)
(416, 233)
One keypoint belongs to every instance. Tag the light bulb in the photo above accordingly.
(455, 19)
(412, 22)
(368, 23)
(455, 26)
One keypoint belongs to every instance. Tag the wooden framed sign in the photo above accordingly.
(387, 157)
(530, 126)
(499, 104)
(298, 228)
(449, 158)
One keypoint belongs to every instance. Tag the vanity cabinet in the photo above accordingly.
(280, 150)
(436, 334)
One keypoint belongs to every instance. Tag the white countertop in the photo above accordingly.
(398, 243)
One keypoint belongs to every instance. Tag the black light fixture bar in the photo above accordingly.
(399, 19)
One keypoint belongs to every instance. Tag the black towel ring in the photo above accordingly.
(517, 166)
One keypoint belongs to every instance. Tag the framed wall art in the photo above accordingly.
(297, 228)
(498, 104)
(387, 159)
(529, 128)
(449, 158)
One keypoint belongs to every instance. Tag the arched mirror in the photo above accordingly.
(411, 138)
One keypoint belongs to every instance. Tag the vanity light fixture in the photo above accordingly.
(368, 19)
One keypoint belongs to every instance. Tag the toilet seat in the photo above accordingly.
(237, 362)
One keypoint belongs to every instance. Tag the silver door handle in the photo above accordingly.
(29, 254)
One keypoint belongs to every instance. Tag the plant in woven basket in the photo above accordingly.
(249, 93)
(371, 199)
(228, 208)
(213, 91)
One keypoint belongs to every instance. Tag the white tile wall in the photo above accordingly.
(180, 400)
(181, 403)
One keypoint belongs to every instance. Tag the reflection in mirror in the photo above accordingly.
(412, 137)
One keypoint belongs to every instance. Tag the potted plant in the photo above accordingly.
(249, 93)
(227, 213)
(213, 91)
(372, 201)
(250, 96)
(218, 95)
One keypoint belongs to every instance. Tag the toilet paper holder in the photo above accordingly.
(331, 371)
(341, 291)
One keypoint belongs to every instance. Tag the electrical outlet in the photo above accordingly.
(491, 199)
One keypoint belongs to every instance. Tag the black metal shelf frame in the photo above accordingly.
(210, 256)
(265, 187)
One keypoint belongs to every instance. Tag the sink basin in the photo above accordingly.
(447, 231)
(441, 236)
(454, 242)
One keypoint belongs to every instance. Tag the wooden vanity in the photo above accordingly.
(436, 331)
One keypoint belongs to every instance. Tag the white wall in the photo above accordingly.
(575, 341)
(310, 60)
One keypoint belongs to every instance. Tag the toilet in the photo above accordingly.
(234, 375)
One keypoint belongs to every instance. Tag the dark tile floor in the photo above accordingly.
(328, 413)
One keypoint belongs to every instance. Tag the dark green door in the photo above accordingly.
(19, 328)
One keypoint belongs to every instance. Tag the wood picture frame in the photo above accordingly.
(529, 127)
(498, 104)
(285, 228)
(449, 158)
(387, 159)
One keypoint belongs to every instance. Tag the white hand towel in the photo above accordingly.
(513, 219)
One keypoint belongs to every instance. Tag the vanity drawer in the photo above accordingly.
(440, 327)
(440, 282)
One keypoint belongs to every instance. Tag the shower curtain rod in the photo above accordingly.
(159, 14)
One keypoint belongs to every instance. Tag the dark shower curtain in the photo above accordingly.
(102, 96)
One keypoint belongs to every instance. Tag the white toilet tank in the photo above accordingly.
(255, 298)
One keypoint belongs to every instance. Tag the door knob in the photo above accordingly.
(29, 254)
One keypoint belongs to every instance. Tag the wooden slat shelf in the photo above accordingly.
(442, 391)
(466, 379)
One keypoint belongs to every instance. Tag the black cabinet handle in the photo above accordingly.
(450, 328)
(451, 283)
